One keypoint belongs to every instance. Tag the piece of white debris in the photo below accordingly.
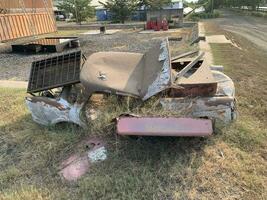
(97, 155)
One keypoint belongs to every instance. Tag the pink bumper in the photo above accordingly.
(176, 127)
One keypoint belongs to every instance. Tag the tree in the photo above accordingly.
(80, 9)
(121, 9)
(154, 4)
(253, 4)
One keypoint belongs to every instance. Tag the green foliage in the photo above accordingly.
(80, 9)
(204, 15)
(121, 9)
(154, 4)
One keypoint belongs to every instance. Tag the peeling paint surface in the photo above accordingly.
(220, 107)
(164, 77)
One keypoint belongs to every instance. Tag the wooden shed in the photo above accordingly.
(23, 18)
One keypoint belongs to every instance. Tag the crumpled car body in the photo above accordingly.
(186, 84)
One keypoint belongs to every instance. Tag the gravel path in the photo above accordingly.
(17, 66)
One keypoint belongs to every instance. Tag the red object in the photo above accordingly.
(187, 127)
(153, 24)
(157, 26)
(148, 25)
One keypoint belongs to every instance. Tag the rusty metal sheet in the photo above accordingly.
(184, 55)
(140, 75)
(203, 75)
(220, 106)
(187, 127)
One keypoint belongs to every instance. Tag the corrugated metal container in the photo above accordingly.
(22, 18)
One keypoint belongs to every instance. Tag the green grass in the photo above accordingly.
(229, 165)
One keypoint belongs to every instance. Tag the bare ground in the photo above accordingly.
(17, 66)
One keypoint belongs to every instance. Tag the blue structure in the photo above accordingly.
(139, 15)
(104, 15)
(101, 15)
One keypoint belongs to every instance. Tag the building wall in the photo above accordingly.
(36, 18)
(170, 14)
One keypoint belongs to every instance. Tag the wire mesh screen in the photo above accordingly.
(55, 72)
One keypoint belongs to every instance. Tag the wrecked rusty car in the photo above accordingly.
(192, 92)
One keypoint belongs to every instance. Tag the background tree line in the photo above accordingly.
(214, 4)
(121, 9)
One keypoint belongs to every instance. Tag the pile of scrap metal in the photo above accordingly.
(180, 83)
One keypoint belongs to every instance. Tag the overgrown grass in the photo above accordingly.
(204, 15)
(229, 165)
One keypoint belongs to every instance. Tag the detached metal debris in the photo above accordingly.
(48, 44)
(180, 84)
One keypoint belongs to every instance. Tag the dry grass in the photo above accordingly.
(229, 165)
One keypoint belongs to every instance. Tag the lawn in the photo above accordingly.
(229, 165)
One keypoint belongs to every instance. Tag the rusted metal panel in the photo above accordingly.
(220, 106)
(11, 5)
(202, 90)
(141, 75)
(25, 18)
(14, 26)
(187, 127)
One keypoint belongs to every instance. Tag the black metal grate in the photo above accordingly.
(55, 72)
